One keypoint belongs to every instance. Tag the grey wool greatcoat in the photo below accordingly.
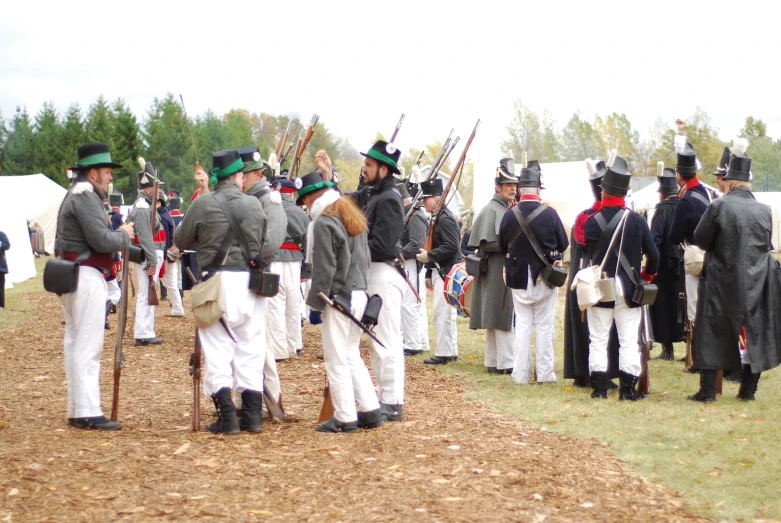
(492, 303)
(739, 286)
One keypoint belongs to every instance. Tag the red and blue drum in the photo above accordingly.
(458, 289)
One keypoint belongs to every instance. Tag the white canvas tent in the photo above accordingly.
(32, 197)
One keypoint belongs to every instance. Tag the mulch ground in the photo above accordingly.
(449, 459)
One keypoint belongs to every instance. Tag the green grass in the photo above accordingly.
(17, 307)
(722, 457)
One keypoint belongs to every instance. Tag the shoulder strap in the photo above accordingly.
(517, 232)
(524, 224)
(699, 197)
(607, 231)
(234, 226)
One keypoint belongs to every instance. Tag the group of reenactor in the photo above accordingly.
(365, 264)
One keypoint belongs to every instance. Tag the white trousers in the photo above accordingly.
(423, 318)
(245, 357)
(114, 292)
(348, 377)
(85, 312)
(284, 311)
(444, 320)
(271, 383)
(535, 307)
(411, 310)
(388, 363)
(692, 283)
(171, 282)
(304, 307)
(499, 349)
(627, 320)
(145, 313)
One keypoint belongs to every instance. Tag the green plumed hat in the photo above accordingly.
(310, 183)
(94, 155)
(385, 153)
(225, 163)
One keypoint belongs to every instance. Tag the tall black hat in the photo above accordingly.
(721, 170)
(225, 163)
(505, 173)
(412, 187)
(530, 177)
(146, 178)
(174, 200)
(402, 188)
(94, 155)
(534, 164)
(595, 179)
(310, 183)
(251, 158)
(687, 162)
(668, 183)
(617, 178)
(739, 164)
(385, 153)
(116, 199)
(432, 187)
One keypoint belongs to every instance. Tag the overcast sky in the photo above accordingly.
(359, 65)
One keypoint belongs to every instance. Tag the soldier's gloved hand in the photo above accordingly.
(129, 228)
(415, 174)
(315, 317)
(116, 268)
(256, 262)
(429, 284)
(422, 256)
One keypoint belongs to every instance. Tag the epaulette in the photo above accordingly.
(81, 188)
(275, 197)
(141, 203)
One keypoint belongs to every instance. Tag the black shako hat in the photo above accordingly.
(686, 165)
(412, 187)
(505, 173)
(595, 179)
(310, 183)
(530, 177)
(721, 170)
(617, 178)
(94, 155)
(146, 178)
(432, 187)
(116, 199)
(385, 153)
(668, 183)
(739, 168)
(251, 158)
(174, 200)
(225, 163)
(534, 164)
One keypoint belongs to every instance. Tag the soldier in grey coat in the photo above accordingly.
(235, 347)
(414, 317)
(83, 235)
(492, 304)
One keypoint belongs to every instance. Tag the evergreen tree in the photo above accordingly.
(19, 148)
(210, 137)
(3, 139)
(168, 144)
(73, 135)
(127, 148)
(238, 128)
(48, 144)
(100, 123)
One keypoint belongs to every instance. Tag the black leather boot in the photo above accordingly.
(251, 409)
(108, 308)
(334, 425)
(163, 292)
(581, 382)
(391, 412)
(668, 354)
(748, 385)
(598, 382)
(227, 422)
(628, 388)
(94, 423)
(707, 392)
(371, 419)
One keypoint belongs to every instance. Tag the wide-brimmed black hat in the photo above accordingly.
(174, 200)
(739, 168)
(225, 163)
(402, 188)
(505, 173)
(310, 183)
(721, 170)
(686, 165)
(530, 177)
(617, 178)
(94, 155)
(116, 198)
(432, 187)
(668, 182)
(595, 179)
(385, 153)
(251, 158)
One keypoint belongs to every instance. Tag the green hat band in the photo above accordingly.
(253, 166)
(310, 188)
(233, 168)
(94, 159)
(373, 153)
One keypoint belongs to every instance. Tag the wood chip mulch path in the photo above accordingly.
(449, 459)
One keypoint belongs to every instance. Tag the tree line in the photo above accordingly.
(48, 142)
(582, 138)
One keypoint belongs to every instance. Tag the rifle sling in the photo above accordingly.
(517, 232)
(607, 231)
